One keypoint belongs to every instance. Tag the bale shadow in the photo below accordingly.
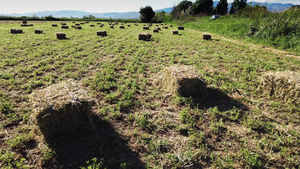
(216, 98)
(76, 145)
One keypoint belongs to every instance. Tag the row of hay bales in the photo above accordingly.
(65, 108)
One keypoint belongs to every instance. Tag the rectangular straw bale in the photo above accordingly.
(180, 28)
(60, 35)
(38, 31)
(16, 31)
(174, 32)
(206, 37)
(54, 25)
(155, 30)
(184, 80)
(64, 27)
(281, 85)
(102, 33)
(146, 28)
(144, 36)
(63, 108)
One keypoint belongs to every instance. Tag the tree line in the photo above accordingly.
(188, 8)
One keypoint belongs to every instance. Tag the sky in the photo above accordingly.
(99, 6)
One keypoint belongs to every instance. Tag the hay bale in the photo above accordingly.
(77, 24)
(63, 23)
(158, 28)
(183, 80)
(122, 27)
(63, 108)
(64, 27)
(101, 25)
(73, 26)
(87, 22)
(128, 25)
(78, 27)
(92, 25)
(81, 23)
(60, 35)
(24, 25)
(38, 31)
(24, 22)
(146, 28)
(165, 27)
(180, 28)
(206, 37)
(111, 26)
(73, 22)
(171, 26)
(16, 31)
(144, 36)
(155, 30)
(54, 25)
(174, 32)
(281, 85)
(102, 33)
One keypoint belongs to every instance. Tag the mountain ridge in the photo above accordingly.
(274, 7)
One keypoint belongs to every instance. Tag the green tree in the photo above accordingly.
(222, 7)
(203, 6)
(88, 17)
(237, 5)
(184, 5)
(147, 14)
(159, 16)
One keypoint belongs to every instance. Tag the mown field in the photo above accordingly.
(139, 125)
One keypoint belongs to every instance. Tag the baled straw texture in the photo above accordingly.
(62, 108)
(281, 85)
(183, 80)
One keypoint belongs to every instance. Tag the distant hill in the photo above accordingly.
(274, 7)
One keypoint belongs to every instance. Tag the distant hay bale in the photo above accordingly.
(16, 31)
(63, 23)
(82, 23)
(73, 26)
(87, 22)
(171, 26)
(144, 36)
(158, 28)
(38, 31)
(63, 108)
(60, 35)
(155, 30)
(25, 25)
(122, 27)
(128, 25)
(206, 37)
(180, 28)
(183, 80)
(30, 24)
(92, 25)
(77, 24)
(174, 32)
(112, 26)
(101, 25)
(73, 22)
(64, 27)
(24, 22)
(54, 25)
(165, 27)
(146, 28)
(281, 85)
(78, 27)
(102, 33)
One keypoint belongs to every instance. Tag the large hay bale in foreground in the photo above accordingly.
(144, 36)
(60, 35)
(38, 31)
(281, 85)
(183, 80)
(102, 33)
(63, 108)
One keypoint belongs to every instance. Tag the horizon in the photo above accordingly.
(33, 6)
